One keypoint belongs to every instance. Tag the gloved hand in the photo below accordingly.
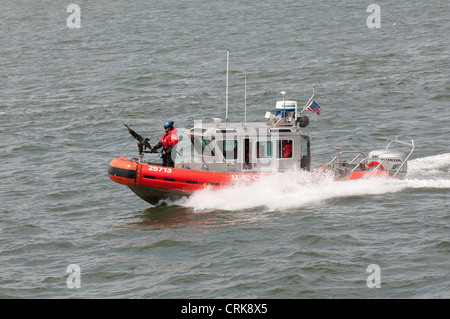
(166, 151)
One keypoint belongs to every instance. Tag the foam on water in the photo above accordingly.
(294, 189)
(436, 167)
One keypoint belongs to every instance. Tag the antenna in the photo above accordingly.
(226, 92)
(245, 97)
(284, 104)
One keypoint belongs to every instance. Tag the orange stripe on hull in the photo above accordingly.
(123, 171)
(128, 172)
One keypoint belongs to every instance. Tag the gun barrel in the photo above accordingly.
(134, 134)
(139, 138)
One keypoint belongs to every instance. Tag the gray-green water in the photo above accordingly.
(64, 94)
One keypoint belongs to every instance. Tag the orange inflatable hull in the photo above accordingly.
(153, 182)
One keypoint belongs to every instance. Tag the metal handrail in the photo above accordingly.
(339, 153)
(407, 157)
(380, 163)
(383, 160)
(379, 160)
(359, 154)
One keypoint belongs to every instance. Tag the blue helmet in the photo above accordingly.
(168, 124)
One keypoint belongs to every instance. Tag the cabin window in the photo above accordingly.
(280, 130)
(304, 147)
(247, 152)
(284, 148)
(228, 148)
(263, 149)
(202, 145)
(198, 130)
(226, 131)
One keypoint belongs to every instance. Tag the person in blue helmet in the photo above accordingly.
(168, 142)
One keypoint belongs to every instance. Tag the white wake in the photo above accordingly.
(294, 189)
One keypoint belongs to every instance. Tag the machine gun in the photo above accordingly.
(142, 142)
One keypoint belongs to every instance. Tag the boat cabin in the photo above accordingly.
(275, 145)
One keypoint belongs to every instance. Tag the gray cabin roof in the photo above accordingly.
(244, 129)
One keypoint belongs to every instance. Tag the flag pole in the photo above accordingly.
(308, 103)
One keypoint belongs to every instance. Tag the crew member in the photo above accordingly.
(168, 142)
(287, 149)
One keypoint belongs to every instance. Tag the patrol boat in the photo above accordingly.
(219, 153)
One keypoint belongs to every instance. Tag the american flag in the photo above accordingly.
(313, 107)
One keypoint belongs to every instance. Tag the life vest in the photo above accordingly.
(169, 139)
(287, 150)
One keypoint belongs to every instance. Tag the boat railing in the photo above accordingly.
(337, 158)
(360, 165)
(366, 160)
(407, 157)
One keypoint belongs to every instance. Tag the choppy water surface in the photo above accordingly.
(64, 94)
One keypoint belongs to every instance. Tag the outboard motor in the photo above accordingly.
(391, 161)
